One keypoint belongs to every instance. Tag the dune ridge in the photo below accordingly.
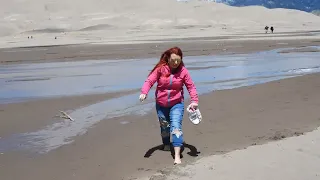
(104, 20)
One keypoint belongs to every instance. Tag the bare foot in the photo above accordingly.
(177, 161)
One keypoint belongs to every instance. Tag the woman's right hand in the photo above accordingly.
(142, 97)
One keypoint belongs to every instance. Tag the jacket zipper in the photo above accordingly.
(169, 89)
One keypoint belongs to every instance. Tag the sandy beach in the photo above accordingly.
(191, 47)
(233, 119)
(272, 111)
(256, 89)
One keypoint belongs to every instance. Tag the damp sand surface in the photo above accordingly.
(151, 49)
(305, 49)
(59, 79)
(233, 119)
(113, 126)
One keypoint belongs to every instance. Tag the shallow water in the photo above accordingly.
(22, 82)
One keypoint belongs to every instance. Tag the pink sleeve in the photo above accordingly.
(149, 82)
(191, 87)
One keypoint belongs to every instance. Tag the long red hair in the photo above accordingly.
(166, 56)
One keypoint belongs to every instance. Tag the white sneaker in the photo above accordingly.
(194, 115)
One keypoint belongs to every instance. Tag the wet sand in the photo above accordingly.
(190, 47)
(34, 114)
(233, 119)
(306, 49)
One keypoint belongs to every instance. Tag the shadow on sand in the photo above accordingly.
(193, 150)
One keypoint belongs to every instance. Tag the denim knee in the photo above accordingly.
(176, 116)
(177, 137)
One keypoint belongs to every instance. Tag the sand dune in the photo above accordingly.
(103, 20)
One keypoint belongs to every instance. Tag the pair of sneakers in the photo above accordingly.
(194, 115)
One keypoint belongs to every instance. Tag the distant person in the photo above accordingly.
(271, 29)
(170, 75)
(266, 29)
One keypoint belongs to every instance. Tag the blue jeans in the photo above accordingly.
(170, 119)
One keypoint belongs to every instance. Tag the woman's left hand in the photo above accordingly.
(194, 106)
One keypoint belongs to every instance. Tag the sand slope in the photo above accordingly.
(105, 20)
(294, 158)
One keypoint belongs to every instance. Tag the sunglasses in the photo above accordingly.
(175, 60)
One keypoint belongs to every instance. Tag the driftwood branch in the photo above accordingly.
(65, 116)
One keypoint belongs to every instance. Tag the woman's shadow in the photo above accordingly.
(193, 150)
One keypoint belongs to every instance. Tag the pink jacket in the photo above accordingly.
(170, 89)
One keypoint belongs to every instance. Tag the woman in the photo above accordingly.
(170, 75)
